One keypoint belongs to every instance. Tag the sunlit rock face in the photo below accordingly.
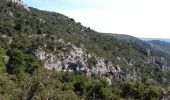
(20, 3)
(75, 59)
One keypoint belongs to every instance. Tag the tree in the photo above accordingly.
(39, 31)
(106, 93)
(18, 27)
(2, 63)
(16, 62)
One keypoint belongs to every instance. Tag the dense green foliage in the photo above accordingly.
(69, 86)
(22, 75)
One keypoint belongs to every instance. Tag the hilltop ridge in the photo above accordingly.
(21, 3)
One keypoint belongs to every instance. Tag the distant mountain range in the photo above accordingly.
(161, 45)
(150, 39)
(158, 44)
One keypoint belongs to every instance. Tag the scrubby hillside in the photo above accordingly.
(46, 55)
(161, 45)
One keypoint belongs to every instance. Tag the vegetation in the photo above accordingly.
(67, 86)
(23, 76)
(163, 46)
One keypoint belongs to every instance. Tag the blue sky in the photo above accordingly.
(61, 4)
(140, 18)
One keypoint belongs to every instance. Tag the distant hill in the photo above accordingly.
(157, 44)
(127, 38)
(161, 45)
(140, 44)
(150, 39)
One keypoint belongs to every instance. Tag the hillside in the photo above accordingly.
(160, 39)
(46, 55)
(161, 45)
(150, 46)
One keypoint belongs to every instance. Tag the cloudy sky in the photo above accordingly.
(140, 18)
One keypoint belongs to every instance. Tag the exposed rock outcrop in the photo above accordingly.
(20, 3)
(76, 60)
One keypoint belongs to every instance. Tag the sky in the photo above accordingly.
(139, 18)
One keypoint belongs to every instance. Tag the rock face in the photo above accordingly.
(75, 59)
(19, 2)
(165, 96)
(107, 69)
